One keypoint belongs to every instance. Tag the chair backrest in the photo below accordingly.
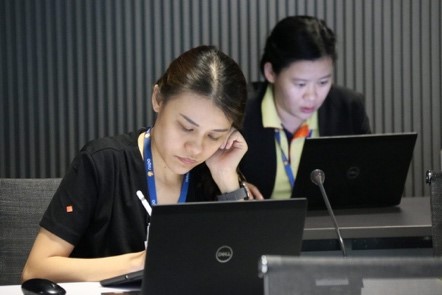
(434, 179)
(22, 204)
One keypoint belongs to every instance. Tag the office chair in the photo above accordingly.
(434, 179)
(22, 204)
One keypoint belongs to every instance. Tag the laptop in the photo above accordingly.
(214, 247)
(360, 170)
(351, 275)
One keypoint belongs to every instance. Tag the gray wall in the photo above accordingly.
(71, 71)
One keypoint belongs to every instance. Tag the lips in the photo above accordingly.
(187, 161)
(307, 109)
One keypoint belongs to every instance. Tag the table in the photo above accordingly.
(371, 286)
(74, 288)
(406, 228)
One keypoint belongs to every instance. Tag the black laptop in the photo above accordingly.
(214, 247)
(360, 170)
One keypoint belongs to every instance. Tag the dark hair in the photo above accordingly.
(297, 38)
(209, 72)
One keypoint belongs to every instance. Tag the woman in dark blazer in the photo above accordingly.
(298, 64)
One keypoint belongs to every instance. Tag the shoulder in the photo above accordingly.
(255, 93)
(340, 98)
(256, 90)
(345, 94)
(343, 112)
(100, 159)
(126, 141)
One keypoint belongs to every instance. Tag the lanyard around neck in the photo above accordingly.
(148, 162)
(285, 160)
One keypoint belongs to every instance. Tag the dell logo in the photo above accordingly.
(353, 172)
(224, 254)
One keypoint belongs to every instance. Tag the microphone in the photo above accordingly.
(317, 177)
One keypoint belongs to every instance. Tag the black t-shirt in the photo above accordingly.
(96, 207)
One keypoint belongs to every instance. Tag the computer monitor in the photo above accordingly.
(350, 275)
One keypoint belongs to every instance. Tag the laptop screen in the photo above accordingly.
(360, 170)
(214, 247)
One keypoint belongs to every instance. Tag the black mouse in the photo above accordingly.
(41, 286)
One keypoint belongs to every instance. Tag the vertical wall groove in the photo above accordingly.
(75, 70)
(3, 110)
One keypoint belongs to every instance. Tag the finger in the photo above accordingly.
(253, 192)
(230, 139)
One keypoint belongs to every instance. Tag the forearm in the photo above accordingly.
(65, 269)
(226, 182)
(49, 258)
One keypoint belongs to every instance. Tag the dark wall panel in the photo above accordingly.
(71, 71)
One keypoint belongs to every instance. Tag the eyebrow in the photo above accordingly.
(324, 77)
(327, 76)
(197, 125)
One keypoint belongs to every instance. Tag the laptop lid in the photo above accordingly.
(351, 275)
(360, 170)
(214, 247)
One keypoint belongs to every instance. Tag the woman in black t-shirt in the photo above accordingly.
(95, 226)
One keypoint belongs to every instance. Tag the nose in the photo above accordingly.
(310, 92)
(194, 146)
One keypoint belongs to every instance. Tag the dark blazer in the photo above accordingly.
(342, 113)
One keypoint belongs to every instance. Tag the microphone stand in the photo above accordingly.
(317, 177)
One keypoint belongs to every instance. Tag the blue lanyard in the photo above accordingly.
(285, 160)
(148, 162)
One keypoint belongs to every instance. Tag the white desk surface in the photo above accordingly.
(371, 286)
(71, 289)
